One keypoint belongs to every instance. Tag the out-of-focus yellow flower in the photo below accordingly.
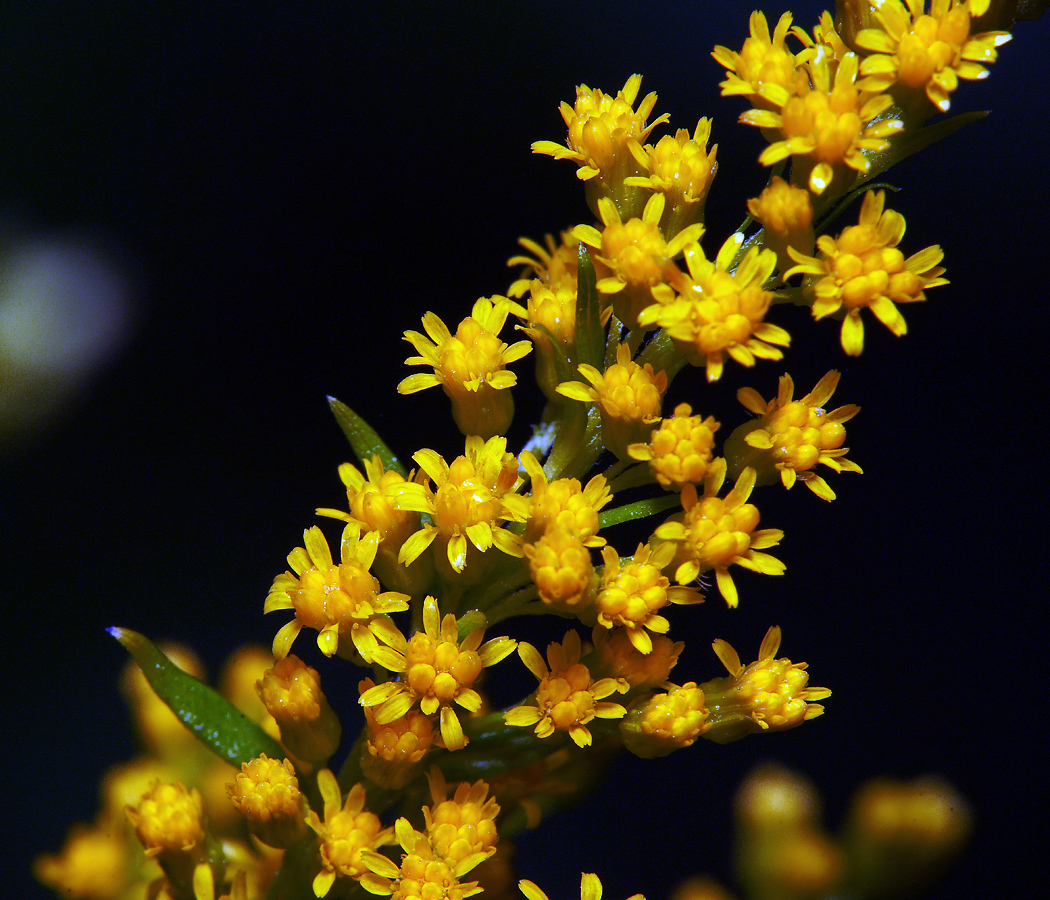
(667, 722)
(629, 397)
(266, 792)
(793, 436)
(633, 591)
(636, 255)
(679, 450)
(601, 129)
(371, 507)
(773, 799)
(862, 267)
(291, 692)
(554, 265)
(681, 168)
(769, 694)
(719, 311)
(94, 864)
(422, 875)
(168, 817)
(828, 124)
(715, 533)
(920, 56)
(438, 670)
(590, 889)
(567, 697)
(561, 568)
(786, 215)
(340, 600)
(470, 366)
(346, 833)
(395, 749)
(466, 505)
(463, 826)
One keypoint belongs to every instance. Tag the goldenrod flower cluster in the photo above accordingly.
(437, 562)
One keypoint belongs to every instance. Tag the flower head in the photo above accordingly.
(590, 889)
(719, 311)
(563, 504)
(168, 817)
(550, 323)
(560, 567)
(395, 749)
(796, 435)
(715, 532)
(341, 600)
(667, 722)
(629, 396)
(291, 692)
(463, 826)
(346, 833)
(769, 694)
(633, 591)
(862, 267)
(786, 215)
(618, 657)
(764, 62)
(267, 793)
(636, 255)
(920, 56)
(371, 506)
(469, 366)
(679, 450)
(567, 697)
(466, 503)
(438, 670)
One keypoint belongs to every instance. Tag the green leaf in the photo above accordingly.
(217, 723)
(363, 438)
(911, 141)
(639, 510)
(590, 336)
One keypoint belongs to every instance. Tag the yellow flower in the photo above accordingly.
(916, 819)
(636, 254)
(464, 826)
(618, 657)
(681, 168)
(267, 794)
(560, 567)
(550, 323)
(796, 435)
(828, 124)
(422, 875)
(667, 722)
(769, 694)
(341, 601)
(438, 670)
(715, 533)
(862, 267)
(347, 832)
(562, 504)
(632, 593)
(168, 817)
(629, 395)
(567, 697)
(291, 692)
(601, 129)
(469, 366)
(679, 451)
(395, 749)
(917, 55)
(764, 61)
(590, 889)
(719, 311)
(554, 266)
(371, 507)
(786, 215)
(466, 505)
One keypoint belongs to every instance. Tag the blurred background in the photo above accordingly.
(212, 217)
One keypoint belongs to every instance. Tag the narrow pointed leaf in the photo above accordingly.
(639, 510)
(908, 142)
(590, 337)
(363, 438)
(216, 722)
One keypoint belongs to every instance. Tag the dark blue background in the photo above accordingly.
(300, 183)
